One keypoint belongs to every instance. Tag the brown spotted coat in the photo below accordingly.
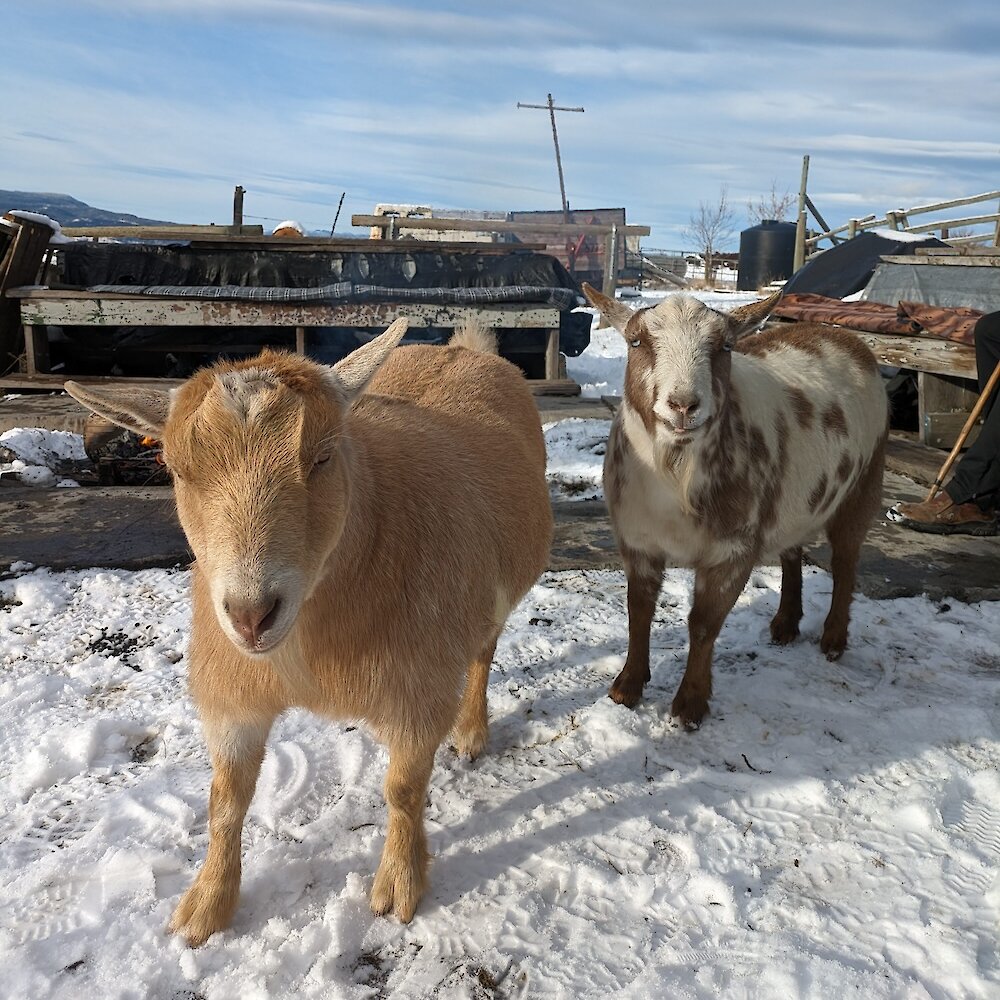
(730, 450)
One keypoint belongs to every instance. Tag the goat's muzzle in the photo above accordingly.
(253, 621)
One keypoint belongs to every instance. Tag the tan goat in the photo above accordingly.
(720, 459)
(357, 554)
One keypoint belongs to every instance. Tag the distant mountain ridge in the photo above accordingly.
(69, 211)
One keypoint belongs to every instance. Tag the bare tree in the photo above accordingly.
(710, 227)
(770, 206)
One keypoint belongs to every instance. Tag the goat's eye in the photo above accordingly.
(321, 460)
(726, 346)
(635, 343)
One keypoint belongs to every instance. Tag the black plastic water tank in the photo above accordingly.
(767, 253)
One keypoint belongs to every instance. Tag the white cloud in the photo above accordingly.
(301, 99)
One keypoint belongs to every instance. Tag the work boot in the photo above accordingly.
(942, 516)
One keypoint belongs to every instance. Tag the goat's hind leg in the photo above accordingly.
(472, 727)
(402, 873)
(644, 574)
(785, 623)
(237, 749)
(846, 531)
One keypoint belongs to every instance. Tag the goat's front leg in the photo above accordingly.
(715, 593)
(402, 873)
(644, 574)
(785, 623)
(237, 749)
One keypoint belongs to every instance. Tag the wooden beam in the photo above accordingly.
(362, 244)
(61, 308)
(943, 405)
(552, 354)
(922, 354)
(494, 225)
(956, 260)
(180, 232)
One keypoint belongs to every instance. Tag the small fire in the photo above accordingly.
(150, 442)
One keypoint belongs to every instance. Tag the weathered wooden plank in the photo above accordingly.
(493, 225)
(922, 354)
(168, 232)
(360, 245)
(73, 309)
(953, 251)
(943, 404)
(941, 430)
(956, 260)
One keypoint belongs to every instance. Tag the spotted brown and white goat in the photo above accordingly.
(357, 554)
(729, 452)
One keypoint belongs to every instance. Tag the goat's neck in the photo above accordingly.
(364, 510)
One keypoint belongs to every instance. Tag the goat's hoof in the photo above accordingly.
(626, 690)
(624, 695)
(689, 709)
(397, 888)
(833, 645)
(202, 911)
(470, 743)
(782, 632)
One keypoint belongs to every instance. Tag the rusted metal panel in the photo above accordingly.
(48, 309)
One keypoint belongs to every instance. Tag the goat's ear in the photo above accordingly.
(141, 410)
(616, 313)
(745, 319)
(355, 371)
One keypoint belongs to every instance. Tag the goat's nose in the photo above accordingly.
(252, 620)
(684, 405)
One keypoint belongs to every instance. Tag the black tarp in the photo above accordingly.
(847, 267)
(88, 264)
(169, 350)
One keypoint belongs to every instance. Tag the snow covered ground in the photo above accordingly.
(832, 830)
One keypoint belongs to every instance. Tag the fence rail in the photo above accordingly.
(900, 220)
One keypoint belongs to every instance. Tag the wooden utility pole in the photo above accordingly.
(552, 109)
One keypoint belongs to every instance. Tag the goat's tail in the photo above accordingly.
(475, 337)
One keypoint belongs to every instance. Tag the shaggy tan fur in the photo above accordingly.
(357, 554)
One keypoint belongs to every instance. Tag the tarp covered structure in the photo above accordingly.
(847, 267)
(415, 272)
(945, 285)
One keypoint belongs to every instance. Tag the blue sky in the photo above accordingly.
(161, 108)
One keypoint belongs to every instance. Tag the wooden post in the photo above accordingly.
(36, 349)
(300, 340)
(238, 205)
(800, 242)
(800, 232)
(610, 269)
(852, 229)
(552, 355)
(996, 232)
